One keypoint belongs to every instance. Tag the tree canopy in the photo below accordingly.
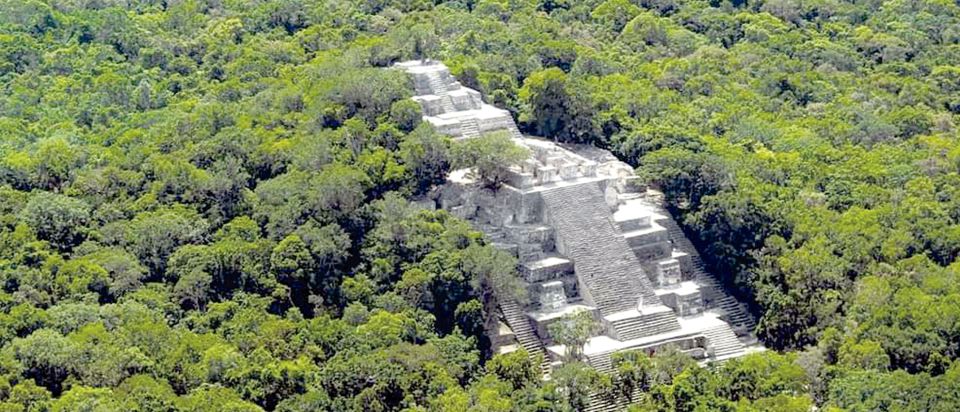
(205, 205)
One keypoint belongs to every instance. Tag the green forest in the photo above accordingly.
(209, 205)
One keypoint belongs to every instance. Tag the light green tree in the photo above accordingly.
(491, 155)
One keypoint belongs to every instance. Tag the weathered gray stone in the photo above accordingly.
(668, 272)
(552, 295)
(600, 254)
(610, 198)
(546, 174)
(569, 171)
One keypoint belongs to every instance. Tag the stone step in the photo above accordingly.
(619, 404)
(724, 342)
(713, 292)
(520, 325)
(521, 328)
(515, 132)
(605, 264)
(447, 105)
(527, 252)
(534, 233)
(437, 86)
(468, 127)
(646, 325)
(601, 362)
(550, 266)
(510, 248)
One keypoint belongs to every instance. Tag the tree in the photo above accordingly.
(45, 356)
(147, 393)
(548, 103)
(206, 205)
(615, 13)
(153, 236)
(125, 271)
(426, 154)
(575, 382)
(516, 368)
(83, 398)
(56, 218)
(424, 41)
(406, 114)
(634, 371)
(573, 331)
(491, 155)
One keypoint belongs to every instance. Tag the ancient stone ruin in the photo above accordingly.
(589, 236)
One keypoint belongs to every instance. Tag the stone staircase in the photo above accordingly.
(437, 85)
(599, 403)
(724, 342)
(447, 105)
(646, 325)
(606, 265)
(526, 337)
(468, 127)
(515, 132)
(714, 295)
(583, 226)
(602, 362)
(440, 88)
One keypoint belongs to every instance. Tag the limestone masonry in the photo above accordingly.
(588, 236)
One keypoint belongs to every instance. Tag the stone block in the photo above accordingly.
(547, 268)
(655, 251)
(432, 105)
(510, 248)
(555, 161)
(466, 211)
(531, 234)
(668, 272)
(645, 221)
(465, 99)
(569, 171)
(571, 287)
(520, 179)
(686, 262)
(552, 296)
(530, 251)
(530, 208)
(546, 174)
(610, 196)
(529, 166)
(691, 304)
(646, 237)
(588, 168)
(450, 129)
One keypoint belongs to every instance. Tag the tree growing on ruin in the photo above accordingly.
(490, 155)
(573, 330)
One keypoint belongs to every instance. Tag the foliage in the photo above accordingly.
(204, 205)
(573, 330)
(491, 155)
